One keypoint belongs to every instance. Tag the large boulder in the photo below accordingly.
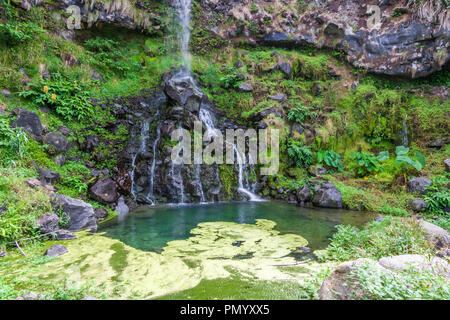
(326, 195)
(438, 236)
(104, 191)
(48, 222)
(56, 250)
(28, 121)
(343, 285)
(180, 87)
(406, 261)
(56, 141)
(418, 185)
(81, 214)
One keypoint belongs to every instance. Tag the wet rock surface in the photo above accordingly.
(326, 195)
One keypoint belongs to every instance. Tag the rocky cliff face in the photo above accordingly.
(393, 37)
(387, 37)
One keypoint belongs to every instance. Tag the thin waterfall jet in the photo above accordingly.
(144, 137)
(150, 195)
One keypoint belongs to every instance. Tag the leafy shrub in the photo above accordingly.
(230, 79)
(391, 236)
(411, 284)
(331, 159)
(299, 113)
(367, 163)
(301, 155)
(437, 195)
(14, 33)
(68, 98)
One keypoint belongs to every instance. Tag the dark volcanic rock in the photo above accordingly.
(245, 87)
(48, 222)
(104, 191)
(81, 214)
(57, 142)
(180, 87)
(286, 68)
(48, 177)
(56, 250)
(61, 234)
(29, 121)
(417, 204)
(326, 195)
(256, 117)
(90, 143)
(303, 195)
(279, 97)
(418, 185)
(100, 213)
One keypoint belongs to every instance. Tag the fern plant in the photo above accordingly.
(301, 155)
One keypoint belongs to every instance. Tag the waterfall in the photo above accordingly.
(206, 118)
(150, 195)
(144, 138)
(183, 8)
(199, 179)
(405, 141)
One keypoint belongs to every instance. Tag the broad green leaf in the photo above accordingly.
(421, 158)
(401, 150)
(383, 156)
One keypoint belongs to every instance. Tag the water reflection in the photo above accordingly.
(151, 228)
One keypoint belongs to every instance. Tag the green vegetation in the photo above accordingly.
(389, 237)
(411, 284)
(69, 99)
(300, 154)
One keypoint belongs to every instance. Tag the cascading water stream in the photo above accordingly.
(206, 118)
(150, 195)
(142, 148)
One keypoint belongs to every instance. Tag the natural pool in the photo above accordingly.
(247, 250)
(151, 228)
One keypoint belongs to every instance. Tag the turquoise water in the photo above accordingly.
(150, 228)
